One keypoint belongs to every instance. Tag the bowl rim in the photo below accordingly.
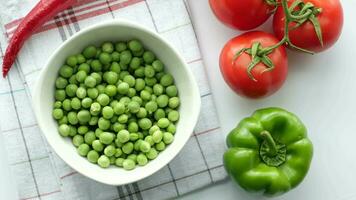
(37, 91)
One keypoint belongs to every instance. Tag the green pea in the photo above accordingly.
(66, 71)
(163, 123)
(120, 46)
(101, 89)
(125, 57)
(127, 148)
(111, 78)
(86, 102)
(141, 159)
(96, 66)
(145, 95)
(77, 140)
(144, 146)
(123, 118)
(84, 67)
(158, 89)
(81, 76)
(142, 113)
(82, 130)
(137, 99)
(103, 161)
(81, 93)
(160, 146)
(159, 114)
(90, 82)
(93, 121)
(149, 71)
(140, 84)
(148, 57)
(119, 162)
(103, 124)
(92, 93)
(135, 63)
(123, 136)
(98, 132)
(64, 120)
(133, 137)
(72, 118)
(111, 90)
(133, 107)
(89, 137)
(152, 154)
(73, 131)
(140, 72)
(71, 90)
(158, 66)
(162, 101)
(115, 56)
(135, 45)
(57, 104)
(151, 106)
(157, 136)
(173, 116)
(95, 108)
(128, 164)
(132, 127)
(60, 95)
(130, 80)
(106, 138)
(97, 77)
(153, 129)
(61, 83)
(167, 80)
(110, 150)
(57, 113)
(159, 75)
(145, 123)
(118, 152)
(171, 128)
(132, 157)
(66, 105)
(97, 145)
(90, 52)
(75, 103)
(72, 80)
(150, 81)
(93, 156)
(83, 149)
(83, 116)
(123, 88)
(172, 91)
(168, 138)
(64, 130)
(107, 112)
(103, 99)
(119, 108)
(107, 47)
(149, 140)
(125, 100)
(174, 102)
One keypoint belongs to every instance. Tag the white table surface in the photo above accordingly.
(320, 89)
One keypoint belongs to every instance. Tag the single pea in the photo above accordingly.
(75, 103)
(167, 110)
(120, 46)
(107, 47)
(133, 137)
(115, 67)
(141, 159)
(153, 129)
(118, 152)
(145, 123)
(157, 136)
(145, 95)
(60, 95)
(106, 138)
(97, 145)
(107, 112)
(81, 76)
(72, 118)
(174, 102)
(158, 89)
(151, 106)
(115, 56)
(123, 136)
(131, 92)
(103, 124)
(77, 140)
(173, 116)
(66, 71)
(98, 132)
(159, 114)
(89, 137)
(96, 66)
(57, 113)
(149, 140)
(83, 116)
(61, 83)
(84, 67)
(97, 77)
(149, 89)
(132, 127)
(123, 88)
(116, 127)
(125, 100)
(111, 90)
(172, 91)
(82, 130)
(89, 52)
(135, 63)
(127, 148)
(118, 143)
(119, 162)
(168, 138)
(148, 57)
(137, 99)
(95, 108)
(93, 121)
(72, 61)
(92, 93)
(123, 73)
(144, 146)
(81, 92)
(171, 128)
(149, 71)
(133, 107)
(162, 101)
(83, 149)
(72, 80)
(73, 131)
(125, 57)
(123, 118)
(135, 45)
(101, 89)
(158, 66)
(57, 104)
(163, 123)
(81, 59)
(140, 84)
(71, 90)
(64, 130)
(103, 99)
(93, 156)
(167, 80)
(103, 161)
(119, 108)
(64, 120)
(128, 164)
(142, 113)
(140, 72)
(130, 80)
(111, 77)
(90, 82)
(159, 75)
(86, 102)
(152, 154)
(150, 81)
(139, 53)
(66, 105)
(160, 146)
(110, 150)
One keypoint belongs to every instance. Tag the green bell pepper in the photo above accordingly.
(268, 152)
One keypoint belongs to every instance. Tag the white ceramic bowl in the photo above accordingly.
(116, 30)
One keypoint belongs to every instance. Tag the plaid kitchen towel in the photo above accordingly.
(38, 171)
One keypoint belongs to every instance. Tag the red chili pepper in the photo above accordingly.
(41, 13)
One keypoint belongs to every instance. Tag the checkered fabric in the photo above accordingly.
(38, 171)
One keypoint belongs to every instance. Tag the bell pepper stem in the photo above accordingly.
(272, 146)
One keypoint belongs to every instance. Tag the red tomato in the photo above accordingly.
(235, 71)
(241, 14)
(330, 19)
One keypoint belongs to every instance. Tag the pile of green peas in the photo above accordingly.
(117, 104)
